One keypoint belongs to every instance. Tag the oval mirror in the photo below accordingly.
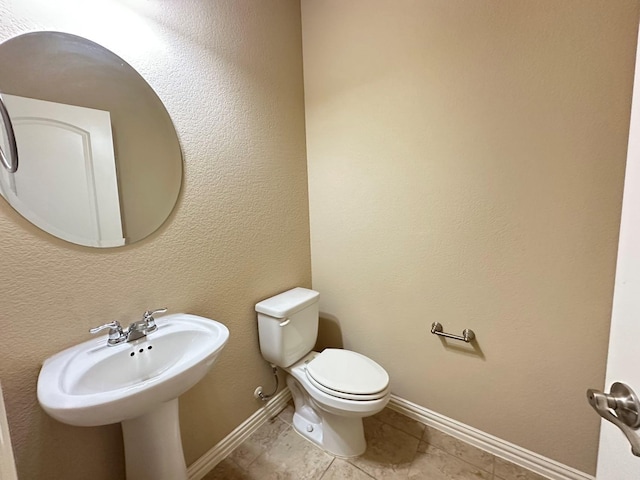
(100, 162)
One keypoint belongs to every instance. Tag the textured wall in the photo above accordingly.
(466, 161)
(230, 75)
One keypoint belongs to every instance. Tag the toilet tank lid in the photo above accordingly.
(287, 303)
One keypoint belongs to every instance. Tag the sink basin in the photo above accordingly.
(92, 384)
(137, 383)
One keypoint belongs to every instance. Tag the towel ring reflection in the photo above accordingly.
(11, 164)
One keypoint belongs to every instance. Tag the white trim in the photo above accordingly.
(198, 469)
(496, 446)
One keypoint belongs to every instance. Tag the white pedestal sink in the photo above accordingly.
(138, 384)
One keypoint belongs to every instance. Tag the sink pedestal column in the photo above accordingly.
(152, 445)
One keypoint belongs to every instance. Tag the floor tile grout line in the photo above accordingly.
(327, 469)
(240, 467)
(360, 470)
(265, 449)
(493, 461)
(421, 439)
(413, 459)
(285, 425)
(404, 431)
(493, 466)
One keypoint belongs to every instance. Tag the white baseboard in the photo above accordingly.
(198, 469)
(496, 446)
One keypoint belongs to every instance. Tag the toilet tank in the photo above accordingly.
(288, 325)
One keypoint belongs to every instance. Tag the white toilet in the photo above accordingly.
(331, 390)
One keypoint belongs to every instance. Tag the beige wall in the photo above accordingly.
(230, 75)
(466, 161)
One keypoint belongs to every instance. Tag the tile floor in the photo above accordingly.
(398, 448)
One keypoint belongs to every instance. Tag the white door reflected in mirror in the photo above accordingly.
(80, 173)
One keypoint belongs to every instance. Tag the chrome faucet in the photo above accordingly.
(136, 330)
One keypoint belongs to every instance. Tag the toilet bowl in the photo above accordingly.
(333, 418)
(332, 390)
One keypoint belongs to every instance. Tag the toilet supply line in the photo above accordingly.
(258, 393)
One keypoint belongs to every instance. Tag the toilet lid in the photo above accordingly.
(347, 372)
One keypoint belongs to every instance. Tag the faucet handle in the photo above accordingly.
(116, 335)
(147, 318)
(115, 325)
(151, 313)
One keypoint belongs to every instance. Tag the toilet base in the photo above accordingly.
(342, 436)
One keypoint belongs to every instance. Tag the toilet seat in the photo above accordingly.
(348, 375)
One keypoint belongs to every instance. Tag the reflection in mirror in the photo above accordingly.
(8, 158)
(100, 161)
(73, 162)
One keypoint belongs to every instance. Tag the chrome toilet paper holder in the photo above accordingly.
(467, 334)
